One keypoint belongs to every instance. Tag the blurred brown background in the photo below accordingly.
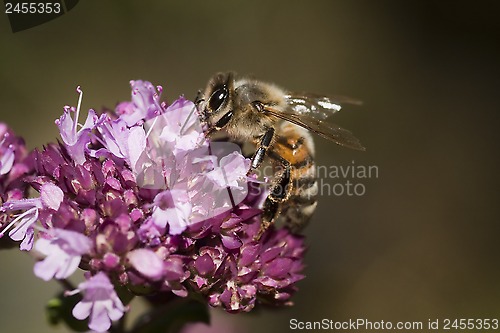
(421, 243)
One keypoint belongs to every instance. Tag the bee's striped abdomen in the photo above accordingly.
(295, 145)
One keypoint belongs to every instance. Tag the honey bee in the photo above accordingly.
(278, 124)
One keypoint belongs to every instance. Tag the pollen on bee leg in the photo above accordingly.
(271, 210)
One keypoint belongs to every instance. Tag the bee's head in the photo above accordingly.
(215, 105)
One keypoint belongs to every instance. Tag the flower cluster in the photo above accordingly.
(14, 167)
(139, 199)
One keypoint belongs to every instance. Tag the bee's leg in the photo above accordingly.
(260, 153)
(279, 193)
(282, 187)
(270, 212)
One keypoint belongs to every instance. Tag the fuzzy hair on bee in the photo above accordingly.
(278, 124)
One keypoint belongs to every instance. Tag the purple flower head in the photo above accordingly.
(141, 198)
(100, 302)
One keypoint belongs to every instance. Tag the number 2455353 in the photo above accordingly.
(32, 8)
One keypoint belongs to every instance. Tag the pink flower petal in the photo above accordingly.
(100, 302)
(82, 310)
(99, 320)
(147, 263)
(231, 242)
(6, 162)
(51, 196)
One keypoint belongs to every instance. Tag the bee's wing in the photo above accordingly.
(317, 106)
(310, 121)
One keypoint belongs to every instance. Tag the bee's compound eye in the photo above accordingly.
(218, 98)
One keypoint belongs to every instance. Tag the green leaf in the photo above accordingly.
(59, 309)
(171, 317)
